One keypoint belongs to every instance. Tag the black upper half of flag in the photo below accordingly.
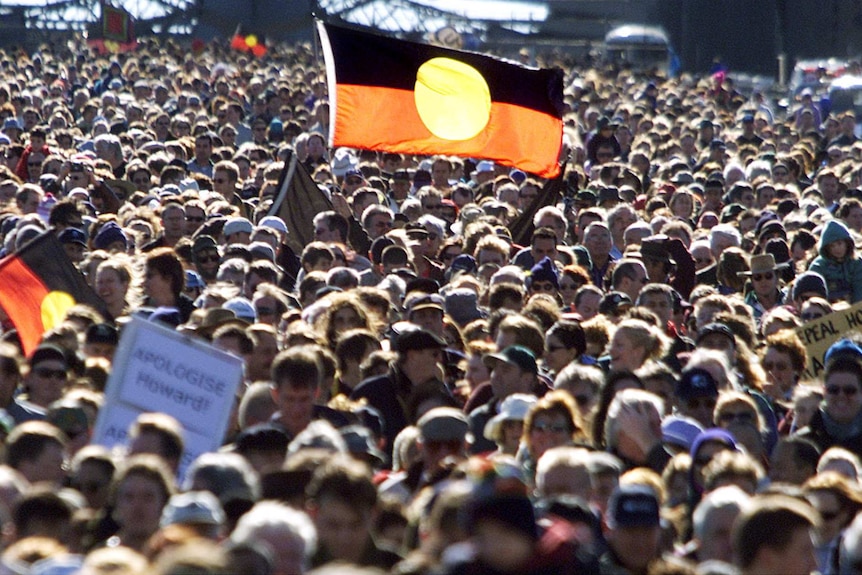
(46, 258)
(363, 58)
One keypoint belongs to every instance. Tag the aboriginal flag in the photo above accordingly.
(38, 284)
(404, 97)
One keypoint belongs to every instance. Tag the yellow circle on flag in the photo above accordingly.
(54, 308)
(251, 40)
(452, 98)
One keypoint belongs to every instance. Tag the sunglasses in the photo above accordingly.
(770, 365)
(741, 416)
(811, 316)
(47, 372)
(208, 259)
(552, 427)
(544, 286)
(707, 402)
(195, 218)
(552, 348)
(847, 390)
(766, 276)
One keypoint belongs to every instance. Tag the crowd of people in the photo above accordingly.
(620, 390)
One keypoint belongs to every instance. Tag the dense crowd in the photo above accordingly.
(620, 390)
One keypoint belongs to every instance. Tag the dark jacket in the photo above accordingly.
(393, 396)
(816, 431)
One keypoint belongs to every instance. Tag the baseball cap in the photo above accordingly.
(47, 352)
(614, 303)
(696, 382)
(516, 355)
(102, 333)
(443, 424)
(413, 337)
(237, 225)
(633, 506)
(193, 507)
(73, 236)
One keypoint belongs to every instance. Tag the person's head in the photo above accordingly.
(629, 277)
(543, 244)
(841, 461)
(47, 375)
(659, 299)
(564, 343)
(286, 533)
(837, 500)
(37, 450)
(342, 500)
(330, 226)
(158, 434)
(513, 370)
(296, 377)
(140, 491)
(773, 535)
(633, 343)
(617, 438)
(794, 459)
(164, 276)
(783, 359)
(842, 384)
(634, 526)
(712, 522)
(564, 470)
(553, 421)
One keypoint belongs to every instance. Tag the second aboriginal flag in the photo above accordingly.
(404, 97)
(38, 284)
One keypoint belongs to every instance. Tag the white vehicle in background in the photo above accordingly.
(845, 94)
(639, 46)
(816, 74)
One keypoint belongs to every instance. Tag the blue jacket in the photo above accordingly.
(843, 279)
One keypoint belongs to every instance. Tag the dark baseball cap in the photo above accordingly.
(696, 382)
(633, 506)
(515, 355)
(413, 337)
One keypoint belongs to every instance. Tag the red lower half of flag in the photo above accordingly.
(389, 119)
(22, 295)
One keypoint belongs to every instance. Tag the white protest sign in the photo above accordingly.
(818, 334)
(158, 369)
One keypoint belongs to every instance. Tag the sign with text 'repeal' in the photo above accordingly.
(818, 334)
(157, 369)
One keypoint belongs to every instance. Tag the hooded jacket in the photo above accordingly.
(844, 278)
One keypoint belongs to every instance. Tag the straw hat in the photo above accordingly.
(763, 263)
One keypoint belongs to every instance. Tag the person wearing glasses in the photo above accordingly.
(838, 421)
(765, 293)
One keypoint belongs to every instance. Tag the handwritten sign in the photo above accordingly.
(817, 335)
(160, 370)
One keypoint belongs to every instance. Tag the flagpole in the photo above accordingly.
(285, 184)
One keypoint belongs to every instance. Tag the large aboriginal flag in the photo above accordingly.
(404, 97)
(38, 284)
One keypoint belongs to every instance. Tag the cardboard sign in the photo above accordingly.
(817, 335)
(157, 369)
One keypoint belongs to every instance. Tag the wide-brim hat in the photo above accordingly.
(763, 263)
